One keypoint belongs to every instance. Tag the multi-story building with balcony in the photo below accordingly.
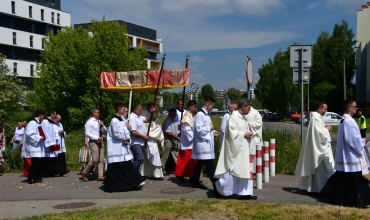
(141, 37)
(23, 25)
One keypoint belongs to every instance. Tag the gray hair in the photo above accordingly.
(244, 102)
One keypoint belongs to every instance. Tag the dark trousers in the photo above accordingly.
(138, 156)
(36, 167)
(363, 132)
(62, 161)
(198, 169)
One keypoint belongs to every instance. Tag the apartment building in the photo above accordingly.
(23, 25)
(141, 37)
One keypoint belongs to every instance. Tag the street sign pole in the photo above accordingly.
(301, 61)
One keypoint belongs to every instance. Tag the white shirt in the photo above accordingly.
(203, 148)
(18, 134)
(92, 127)
(178, 119)
(137, 124)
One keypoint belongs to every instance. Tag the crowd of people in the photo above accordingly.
(345, 179)
(134, 142)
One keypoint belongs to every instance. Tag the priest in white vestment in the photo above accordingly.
(255, 121)
(233, 164)
(152, 165)
(316, 162)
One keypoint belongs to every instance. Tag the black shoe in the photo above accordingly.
(249, 197)
(29, 181)
(181, 179)
(159, 178)
(37, 181)
(215, 191)
(199, 186)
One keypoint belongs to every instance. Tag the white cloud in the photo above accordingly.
(198, 78)
(313, 5)
(184, 24)
(173, 65)
(348, 6)
(198, 59)
(242, 82)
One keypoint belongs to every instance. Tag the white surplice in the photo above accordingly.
(204, 147)
(33, 143)
(316, 163)
(233, 165)
(117, 151)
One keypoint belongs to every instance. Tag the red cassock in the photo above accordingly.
(185, 164)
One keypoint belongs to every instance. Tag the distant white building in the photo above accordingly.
(23, 25)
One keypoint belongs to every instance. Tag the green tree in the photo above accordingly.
(234, 94)
(69, 71)
(207, 90)
(11, 91)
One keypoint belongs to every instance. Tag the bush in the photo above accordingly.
(288, 147)
(13, 162)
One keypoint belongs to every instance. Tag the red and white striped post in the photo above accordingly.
(266, 171)
(272, 156)
(259, 166)
(250, 183)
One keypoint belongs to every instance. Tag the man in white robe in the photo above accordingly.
(204, 146)
(349, 185)
(120, 175)
(152, 166)
(255, 121)
(233, 164)
(34, 145)
(316, 163)
(231, 107)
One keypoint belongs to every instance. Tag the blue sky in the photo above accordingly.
(219, 34)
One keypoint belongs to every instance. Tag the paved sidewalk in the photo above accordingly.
(19, 199)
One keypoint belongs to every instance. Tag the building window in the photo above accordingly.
(52, 17)
(47, 3)
(31, 41)
(42, 44)
(31, 70)
(12, 23)
(33, 27)
(42, 14)
(13, 7)
(58, 18)
(13, 54)
(30, 11)
(52, 3)
(15, 68)
(14, 38)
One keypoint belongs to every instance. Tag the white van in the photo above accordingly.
(331, 118)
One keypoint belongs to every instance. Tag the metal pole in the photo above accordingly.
(344, 78)
(302, 104)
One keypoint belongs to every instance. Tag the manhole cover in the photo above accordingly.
(74, 205)
(177, 190)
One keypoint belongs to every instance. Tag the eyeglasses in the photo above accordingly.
(354, 106)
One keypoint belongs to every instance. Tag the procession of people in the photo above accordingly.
(138, 147)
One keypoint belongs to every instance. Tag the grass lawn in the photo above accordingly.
(212, 209)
